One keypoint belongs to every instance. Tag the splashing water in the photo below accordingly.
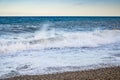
(31, 46)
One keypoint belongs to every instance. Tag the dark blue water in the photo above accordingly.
(40, 45)
(32, 24)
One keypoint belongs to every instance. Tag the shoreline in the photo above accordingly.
(108, 73)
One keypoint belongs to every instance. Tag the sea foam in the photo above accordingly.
(52, 38)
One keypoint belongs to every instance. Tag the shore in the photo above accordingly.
(111, 73)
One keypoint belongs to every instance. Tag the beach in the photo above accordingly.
(59, 40)
(109, 73)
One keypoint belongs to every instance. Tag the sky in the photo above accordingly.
(59, 7)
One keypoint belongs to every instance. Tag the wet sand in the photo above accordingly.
(111, 73)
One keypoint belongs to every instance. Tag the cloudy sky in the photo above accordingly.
(60, 7)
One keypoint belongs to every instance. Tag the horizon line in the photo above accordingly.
(59, 16)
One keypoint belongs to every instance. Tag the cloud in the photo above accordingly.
(98, 2)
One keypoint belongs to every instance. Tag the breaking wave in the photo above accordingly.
(52, 38)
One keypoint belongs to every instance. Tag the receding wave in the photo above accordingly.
(47, 39)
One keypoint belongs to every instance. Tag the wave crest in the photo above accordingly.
(52, 38)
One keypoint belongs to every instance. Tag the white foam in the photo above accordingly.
(31, 53)
(52, 38)
(49, 61)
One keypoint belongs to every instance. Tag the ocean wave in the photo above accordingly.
(61, 39)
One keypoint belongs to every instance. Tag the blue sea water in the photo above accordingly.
(42, 45)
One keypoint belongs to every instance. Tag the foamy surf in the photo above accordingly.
(41, 45)
(53, 39)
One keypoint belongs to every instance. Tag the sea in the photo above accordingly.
(37, 45)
